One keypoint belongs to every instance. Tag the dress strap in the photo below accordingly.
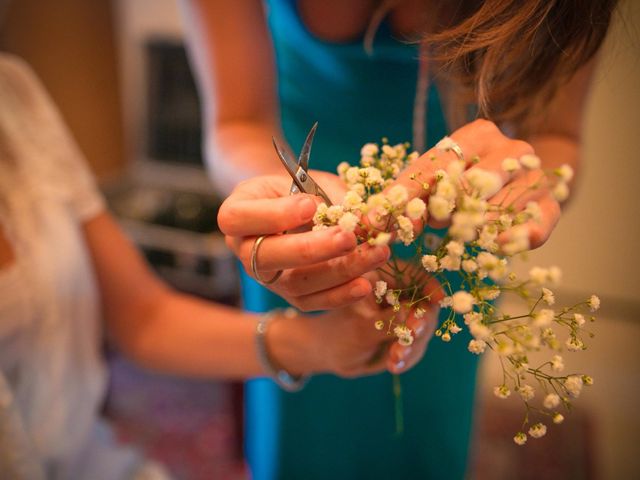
(420, 101)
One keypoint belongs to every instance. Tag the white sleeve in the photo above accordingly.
(35, 133)
(18, 459)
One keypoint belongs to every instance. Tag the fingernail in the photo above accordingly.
(360, 290)
(419, 328)
(344, 240)
(399, 365)
(306, 209)
(380, 254)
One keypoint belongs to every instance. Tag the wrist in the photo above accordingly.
(280, 349)
(287, 342)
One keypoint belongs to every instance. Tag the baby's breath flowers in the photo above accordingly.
(381, 212)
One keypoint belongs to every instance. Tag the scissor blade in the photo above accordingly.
(302, 182)
(303, 160)
(291, 166)
(308, 185)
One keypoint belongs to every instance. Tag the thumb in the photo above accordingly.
(242, 217)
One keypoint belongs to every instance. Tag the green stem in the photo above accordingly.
(399, 413)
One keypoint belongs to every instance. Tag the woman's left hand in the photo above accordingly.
(344, 341)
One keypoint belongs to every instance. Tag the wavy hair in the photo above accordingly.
(509, 57)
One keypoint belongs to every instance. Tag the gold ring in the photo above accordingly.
(254, 263)
(448, 144)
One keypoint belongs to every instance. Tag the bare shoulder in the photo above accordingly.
(14, 67)
(18, 78)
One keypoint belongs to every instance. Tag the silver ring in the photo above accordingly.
(448, 144)
(455, 148)
(254, 263)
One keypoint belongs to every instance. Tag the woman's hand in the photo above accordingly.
(485, 147)
(345, 342)
(322, 269)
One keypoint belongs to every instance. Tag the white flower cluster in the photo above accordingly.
(380, 212)
(387, 215)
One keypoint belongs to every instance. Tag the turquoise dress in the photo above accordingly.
(345, 429)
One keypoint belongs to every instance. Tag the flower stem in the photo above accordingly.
(399, 411)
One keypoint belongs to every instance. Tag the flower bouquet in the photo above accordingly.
(477, 247)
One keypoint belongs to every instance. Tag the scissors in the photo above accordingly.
(302, 181)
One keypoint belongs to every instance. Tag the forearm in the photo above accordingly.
(184, 335)
(232, 58)
(188, 336)
(159, 327)
(241, 149)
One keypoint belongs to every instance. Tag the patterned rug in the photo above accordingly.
(190, 426)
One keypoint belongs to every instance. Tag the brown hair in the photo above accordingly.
(510, 56)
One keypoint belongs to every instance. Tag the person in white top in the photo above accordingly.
(69, 278)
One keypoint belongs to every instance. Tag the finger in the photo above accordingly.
(491, 163)
(336, 297)
(235, 243)
(336, 271)
(242, 218)
(368, 319)
(424, 326)
(537, 231)
(292, 250)
(371, 366)
(414, 356)
(263, 186)
(376, 366)
(403, 358)
(332, 185)
(475, 139)
(493, 160)
(478, 138)
(528, 186)
(433, 291)
(410, 355)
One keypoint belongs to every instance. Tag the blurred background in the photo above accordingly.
(119, 73)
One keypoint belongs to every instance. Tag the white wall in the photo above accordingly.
(597, 244)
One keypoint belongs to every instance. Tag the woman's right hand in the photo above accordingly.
(321, 269)
(485, 147)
